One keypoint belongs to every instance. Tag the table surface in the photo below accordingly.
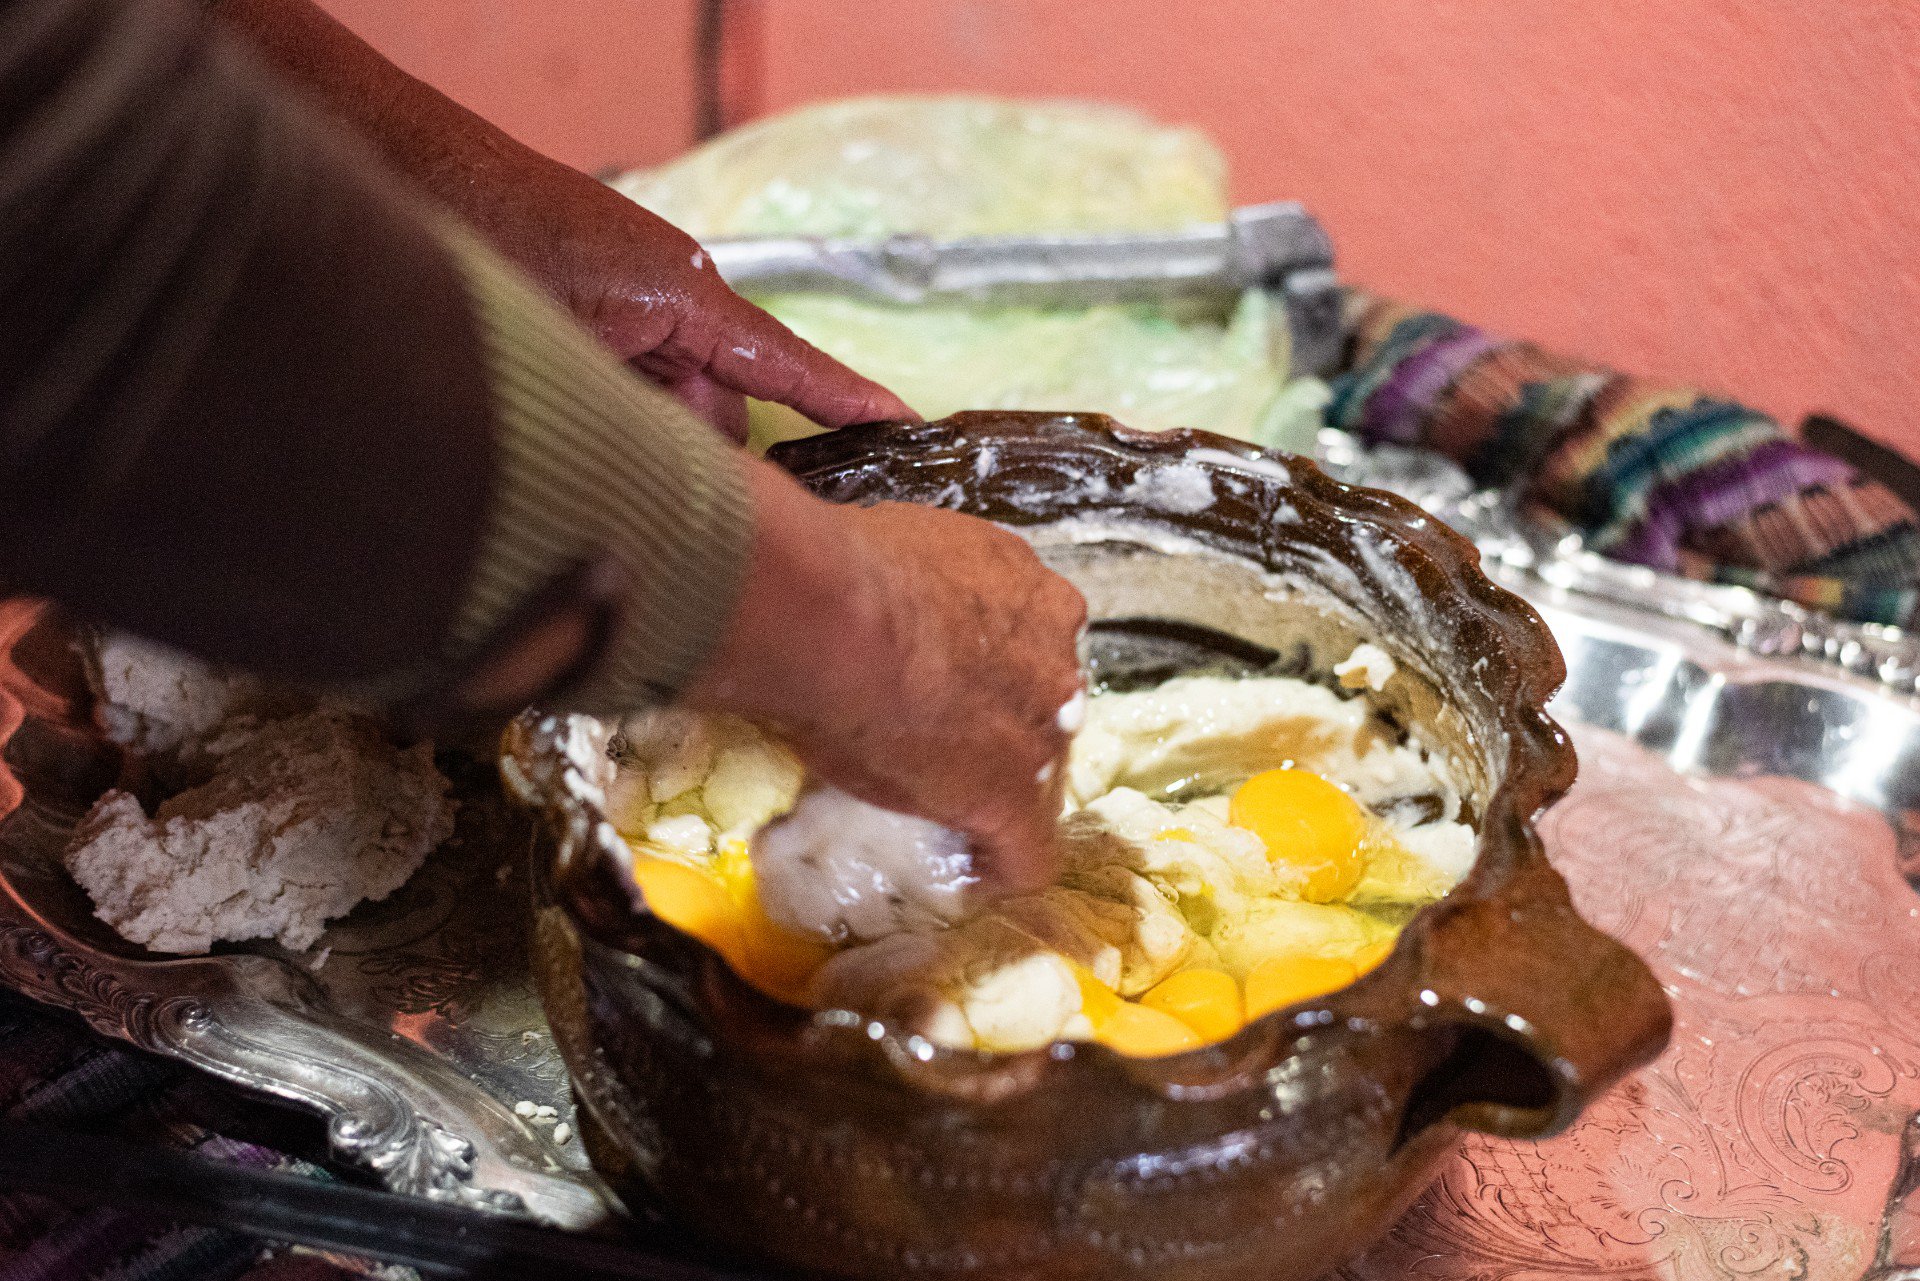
(1764, 1142)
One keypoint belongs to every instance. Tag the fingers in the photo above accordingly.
(766, 360)
(1014, 837)
(1018, 855)
(720, 335)
(1029, 686)
(654, 295)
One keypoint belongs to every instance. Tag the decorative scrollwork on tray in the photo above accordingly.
(1802, 1103)
(33, 962)
(424, 1159)
(423, 983)
(370, 1123)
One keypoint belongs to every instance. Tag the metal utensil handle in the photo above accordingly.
(1257, 248)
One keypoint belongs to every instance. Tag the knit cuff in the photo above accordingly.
(596, 468)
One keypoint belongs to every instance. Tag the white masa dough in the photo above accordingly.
(841, 868)
(284, 812)
(303, 819)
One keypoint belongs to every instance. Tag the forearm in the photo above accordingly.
(459, 158)
(255, 402)
(598, 469)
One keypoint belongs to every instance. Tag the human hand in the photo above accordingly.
(916, 658)
(652, 294)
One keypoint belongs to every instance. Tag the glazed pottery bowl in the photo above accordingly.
(828, 1144)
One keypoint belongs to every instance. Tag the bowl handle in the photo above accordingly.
(1547, 1011)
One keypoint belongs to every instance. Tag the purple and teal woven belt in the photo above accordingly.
(1667, 477)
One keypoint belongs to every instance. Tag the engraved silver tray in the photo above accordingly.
(1761, 848)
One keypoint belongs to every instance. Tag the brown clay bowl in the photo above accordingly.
(832, 1146)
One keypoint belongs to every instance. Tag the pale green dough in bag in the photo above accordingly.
(952, 167)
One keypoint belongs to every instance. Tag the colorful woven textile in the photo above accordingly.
(1667, 477)
(57, 1073)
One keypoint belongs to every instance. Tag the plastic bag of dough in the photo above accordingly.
(960, 166)
(943, 166)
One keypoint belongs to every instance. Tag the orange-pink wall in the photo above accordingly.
(591, 82)
(1719, 190)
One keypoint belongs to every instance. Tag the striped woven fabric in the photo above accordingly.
(56, 1072)
(1662, 476)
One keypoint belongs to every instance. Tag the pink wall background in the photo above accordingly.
(591, 82)
(1720, 191)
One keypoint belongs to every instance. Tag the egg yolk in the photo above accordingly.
(1140, 1031)
(734, 866)
(1208, 1001)
(778, 961)
(722, 910)
(1368, 958)
(1307, 824)
(1146, 1033)
(1097, 1001)
(689, 900)
(1280, 981)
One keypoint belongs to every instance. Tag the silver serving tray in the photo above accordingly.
(419, 1033)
